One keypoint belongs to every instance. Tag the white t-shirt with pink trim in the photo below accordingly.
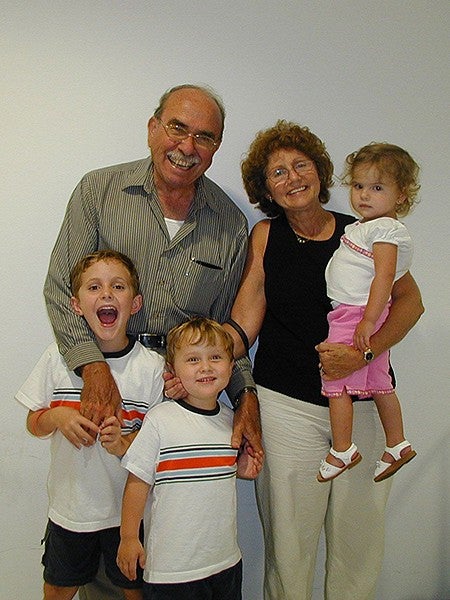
(350, 271)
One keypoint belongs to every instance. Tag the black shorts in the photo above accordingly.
(226, 585)
(71, 558)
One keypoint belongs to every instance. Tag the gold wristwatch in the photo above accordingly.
(368, 355)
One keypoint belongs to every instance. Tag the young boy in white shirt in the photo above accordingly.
(86, 479)
(183, 458)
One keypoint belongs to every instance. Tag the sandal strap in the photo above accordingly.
(396, 451)
(345, 456)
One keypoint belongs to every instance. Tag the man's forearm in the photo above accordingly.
(71, 332)
(81, 355)
(77, 237)
(100, 396)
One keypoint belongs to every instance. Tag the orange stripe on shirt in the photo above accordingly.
(196, 463)
(133, 414)
(69, 403)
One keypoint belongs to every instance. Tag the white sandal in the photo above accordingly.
(386, 469)
(350, 458)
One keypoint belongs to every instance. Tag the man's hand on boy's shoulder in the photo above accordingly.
(76, 428)
(100, 396)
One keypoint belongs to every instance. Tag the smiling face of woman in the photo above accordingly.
(298, 186)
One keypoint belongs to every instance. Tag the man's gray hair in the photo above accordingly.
(208, 91)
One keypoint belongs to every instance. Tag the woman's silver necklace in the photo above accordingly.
(301, 239)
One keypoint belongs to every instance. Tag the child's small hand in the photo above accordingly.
(110, 436)
(130, 552)
(249, 464)
(361, 337)
(79, 430)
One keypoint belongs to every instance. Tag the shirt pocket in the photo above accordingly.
(202, 281)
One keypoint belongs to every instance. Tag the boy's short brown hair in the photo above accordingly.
(107, 255)
(196, 331)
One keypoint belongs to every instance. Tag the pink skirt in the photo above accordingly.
(374, 378)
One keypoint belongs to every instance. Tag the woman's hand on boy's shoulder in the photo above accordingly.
(249, 464)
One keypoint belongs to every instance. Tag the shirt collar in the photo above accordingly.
(200, 411)
(142, 177)
(128, 348)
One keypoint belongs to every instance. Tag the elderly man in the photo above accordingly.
(186, 237)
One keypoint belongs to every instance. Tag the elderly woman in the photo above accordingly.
(282, 298)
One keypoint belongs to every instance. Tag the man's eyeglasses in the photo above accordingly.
(281, 174)
(178, 133)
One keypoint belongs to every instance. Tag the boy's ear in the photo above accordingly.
(136, 304)
(75, 304)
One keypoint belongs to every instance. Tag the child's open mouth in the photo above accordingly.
(107, 315)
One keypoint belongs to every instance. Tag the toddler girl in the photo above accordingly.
(374, 252)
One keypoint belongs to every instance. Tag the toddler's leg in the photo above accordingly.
(398, 450)
(343, 454)
(390, 413)
(341, 419)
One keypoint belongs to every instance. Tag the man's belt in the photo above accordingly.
(152, 340)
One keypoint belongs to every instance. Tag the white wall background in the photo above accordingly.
(79, 81)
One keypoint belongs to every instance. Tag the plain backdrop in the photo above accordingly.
(79, 82)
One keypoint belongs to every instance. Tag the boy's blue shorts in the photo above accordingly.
(71, 558)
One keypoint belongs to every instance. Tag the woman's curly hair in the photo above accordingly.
(283, 135)
(392, 161)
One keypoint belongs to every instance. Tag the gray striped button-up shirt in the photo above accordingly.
(195, 273)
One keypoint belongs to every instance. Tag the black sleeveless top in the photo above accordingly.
(296, 312)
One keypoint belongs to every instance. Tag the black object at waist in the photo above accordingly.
(152, 340)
